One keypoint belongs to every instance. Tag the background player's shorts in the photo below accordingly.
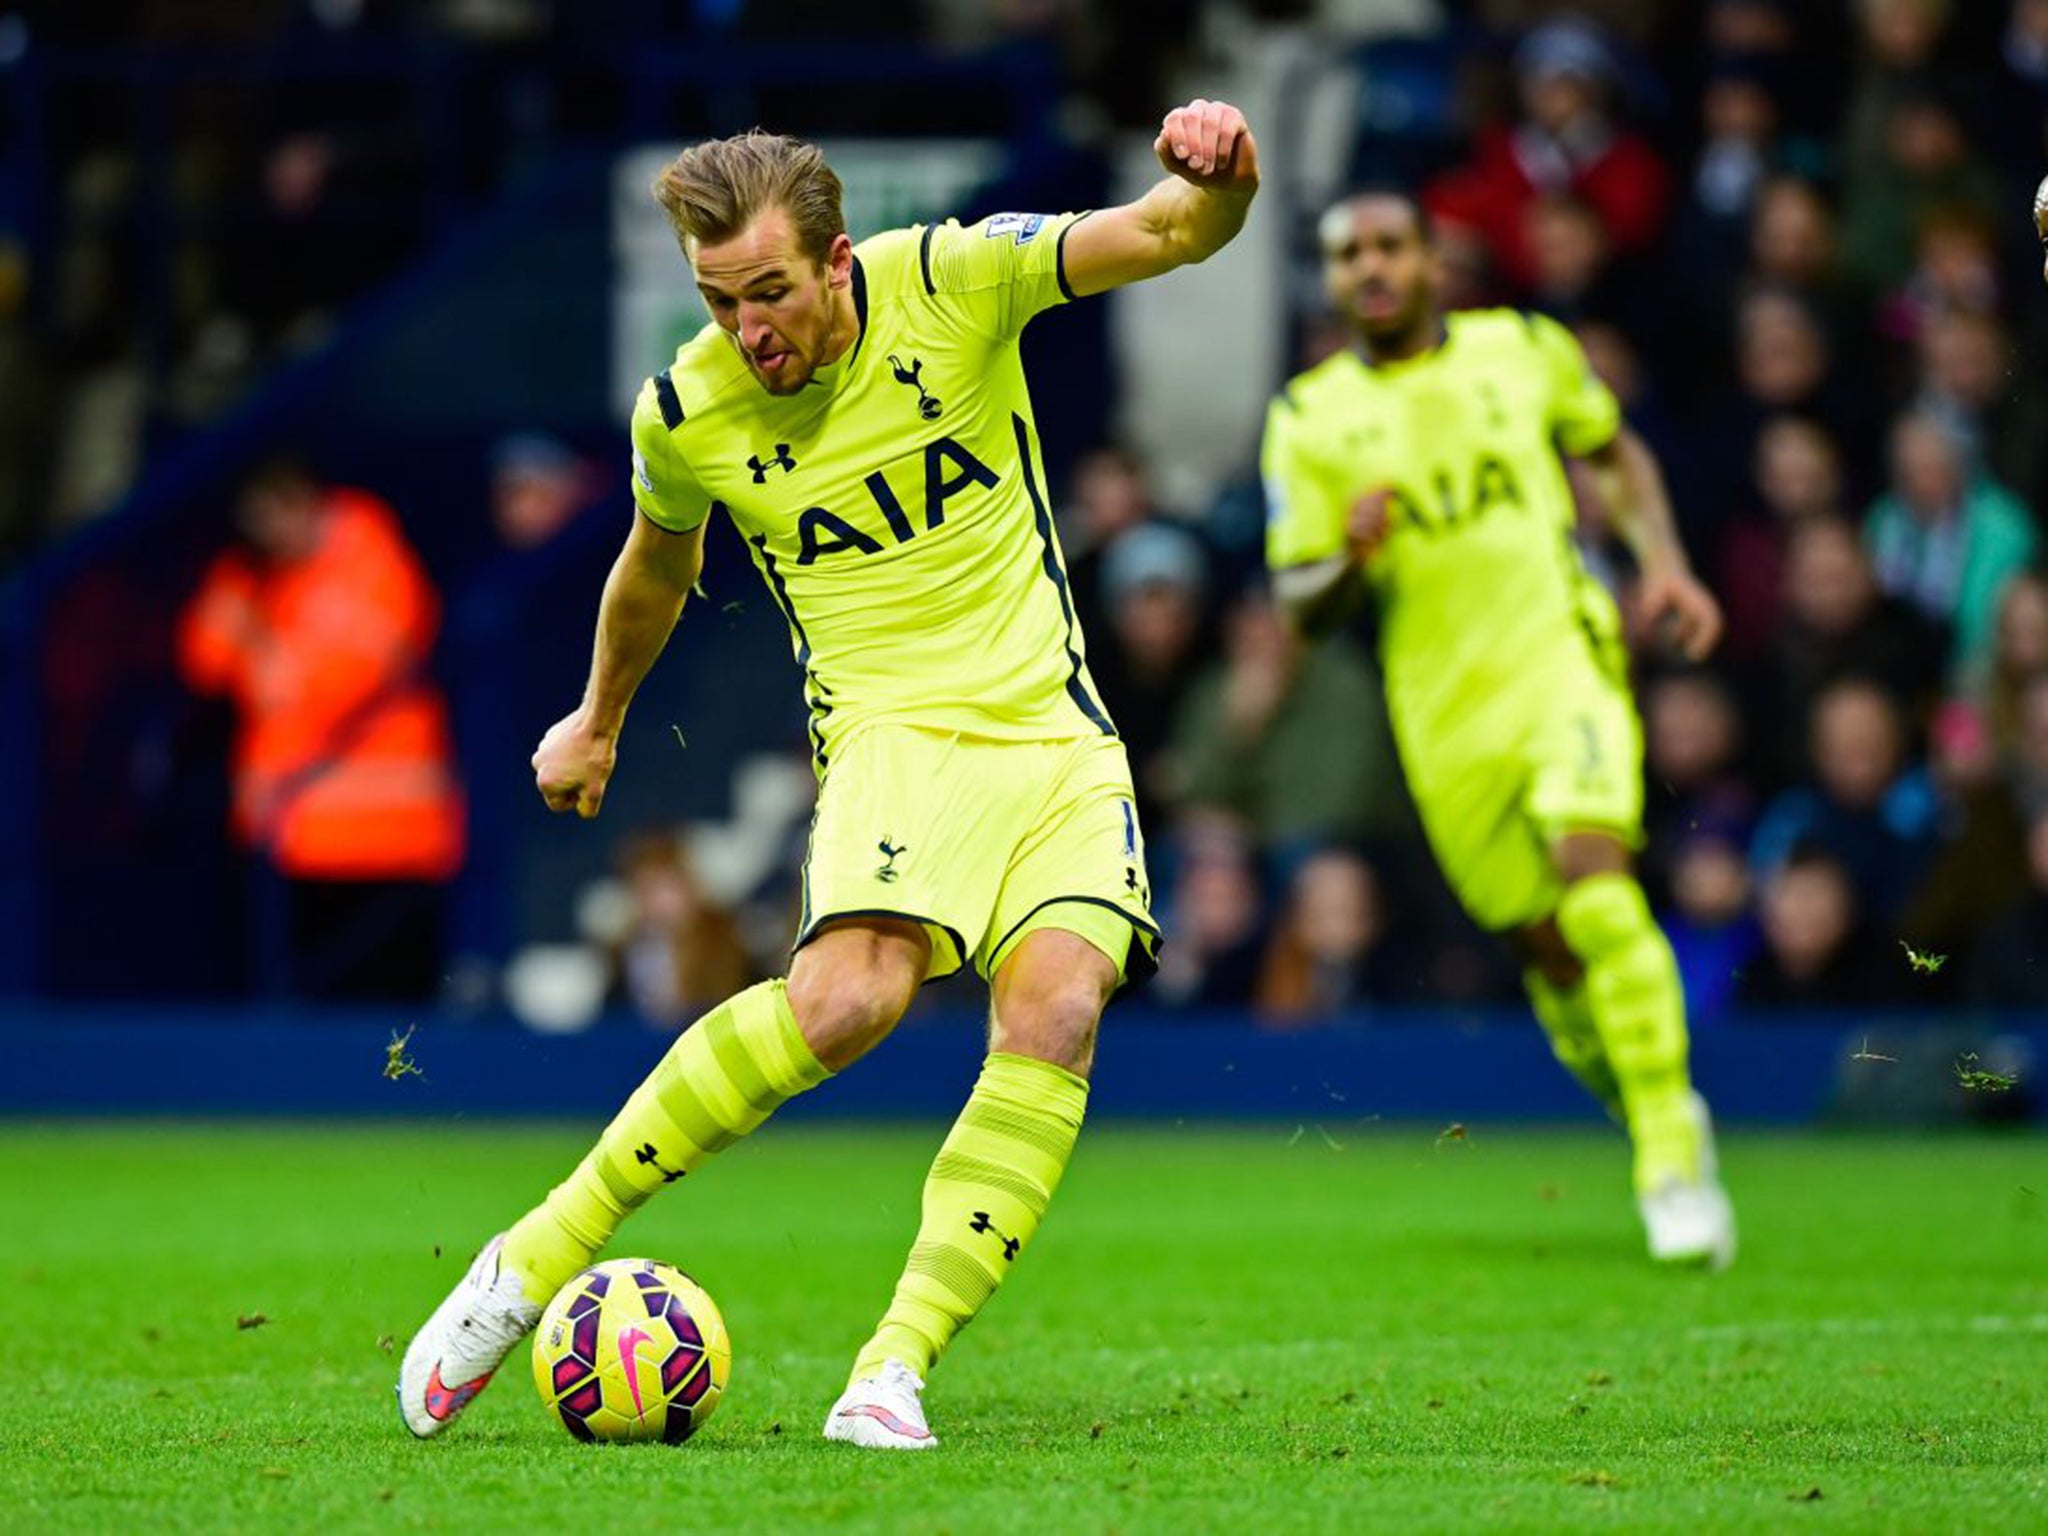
(1494, 804)
(983, 842)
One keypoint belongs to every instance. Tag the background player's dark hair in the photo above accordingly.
(1394, 190)
(713, 190)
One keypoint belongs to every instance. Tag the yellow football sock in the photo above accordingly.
(1633, 993)
(724, 1075)
(982, 1201)
(1567, 1019)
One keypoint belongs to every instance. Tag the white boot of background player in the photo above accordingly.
(1692, 1223)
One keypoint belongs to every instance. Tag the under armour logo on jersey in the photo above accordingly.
(981, 1223)
(781, 461)
(928, 404)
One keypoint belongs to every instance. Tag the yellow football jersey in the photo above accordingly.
(897, 505)
(1479, 587)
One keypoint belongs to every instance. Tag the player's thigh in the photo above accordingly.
(905, 822)
(1586, 780)
(1080, 866)
(1473, 805)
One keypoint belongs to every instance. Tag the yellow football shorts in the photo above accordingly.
(1495, 802)
(983, 842)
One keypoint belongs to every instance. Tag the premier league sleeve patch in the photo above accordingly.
(1020, 227)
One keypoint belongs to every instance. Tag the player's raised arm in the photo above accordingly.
(643, 598)
(1213, 165)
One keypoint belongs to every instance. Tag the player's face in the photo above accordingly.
(282, 522)
(1378, 269)
(779, 305)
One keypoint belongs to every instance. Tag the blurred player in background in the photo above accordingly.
(861, 414)
(1421, 470)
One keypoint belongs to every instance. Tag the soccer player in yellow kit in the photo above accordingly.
(860, 413)
(1421, 471)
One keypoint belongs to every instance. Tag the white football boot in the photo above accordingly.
(882, 1412)
(1692, 1223)
(453, 1357)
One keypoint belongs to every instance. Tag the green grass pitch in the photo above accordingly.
(1218, 1330)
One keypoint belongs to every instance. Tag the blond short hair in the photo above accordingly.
(713, 190)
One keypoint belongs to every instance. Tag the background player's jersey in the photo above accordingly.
(1479, 587)
(896, 506)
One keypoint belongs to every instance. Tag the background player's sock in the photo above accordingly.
(1633, 991)
(1567, 1018)
(724, 1075)
(982, 1201)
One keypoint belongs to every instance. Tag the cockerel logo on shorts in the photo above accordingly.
(887, 873)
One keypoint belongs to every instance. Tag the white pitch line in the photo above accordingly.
(2029, 1322)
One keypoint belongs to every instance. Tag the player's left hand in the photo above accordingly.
(1368, 522)
(1674, 602)
(1209, 144)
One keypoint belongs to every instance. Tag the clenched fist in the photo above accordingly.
(1368, 523)
(1209, 144)
(572, 765)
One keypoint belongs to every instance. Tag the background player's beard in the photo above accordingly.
(1410, 329)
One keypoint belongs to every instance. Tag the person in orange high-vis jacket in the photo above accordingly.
(318, 630)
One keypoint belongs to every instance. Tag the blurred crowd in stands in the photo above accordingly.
(1792, 235)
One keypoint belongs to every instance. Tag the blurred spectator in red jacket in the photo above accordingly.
(317, 628)
(1568, 142)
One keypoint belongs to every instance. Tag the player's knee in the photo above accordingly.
(1049, 1006)
(848, 994)
(1059, 1028)
(1582, 856)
